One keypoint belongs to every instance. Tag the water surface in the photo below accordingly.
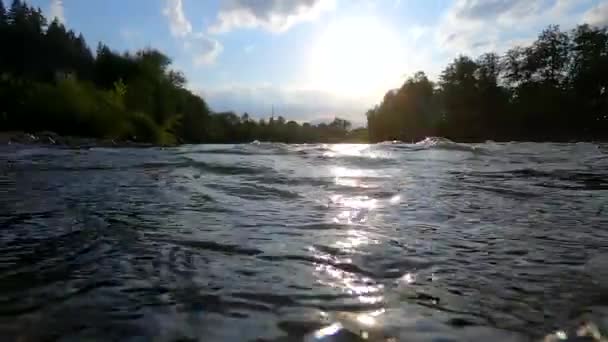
(435, 241)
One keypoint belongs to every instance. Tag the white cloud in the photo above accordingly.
(477, 26)
(272, 15)
(292, 103)
(416, 32)
(472, 26)
(597, 15)
(562, 7)
(56, 10)
(206, 50)
(498, 9)
(203, 48)
(179, 25)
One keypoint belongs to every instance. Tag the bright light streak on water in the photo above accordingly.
(433, 241)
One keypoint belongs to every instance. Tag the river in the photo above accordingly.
(435, 241)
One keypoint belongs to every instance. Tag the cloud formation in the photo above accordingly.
(179, 25)
(476, 26)
(56, 10)
(271, 15)
(483, 9)
(295, 104)
(204, 48)
(598, 15)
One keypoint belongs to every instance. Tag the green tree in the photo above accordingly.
(2, 14)
(493, 99)
(588, 78)
(24, 36)
(3, 36)
(460, 96)
(550, 55)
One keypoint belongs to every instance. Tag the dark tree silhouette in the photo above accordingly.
(2, 14)
(554, 89)
(50, 80)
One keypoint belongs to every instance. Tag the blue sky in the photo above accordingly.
(314, 59)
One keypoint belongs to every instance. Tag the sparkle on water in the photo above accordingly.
(382, 242)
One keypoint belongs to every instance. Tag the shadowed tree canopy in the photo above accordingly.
(136, 96)
(2, 13)
(554, 89)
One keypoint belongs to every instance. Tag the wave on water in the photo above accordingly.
(238, 149)
(353, 151)
(440, 143)
(281, 242)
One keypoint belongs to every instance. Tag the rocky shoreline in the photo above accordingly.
(51, 138)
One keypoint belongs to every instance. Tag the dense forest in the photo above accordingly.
(555, 89)
(51, 81)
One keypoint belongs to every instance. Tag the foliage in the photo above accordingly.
(71, 91)
(554, 89)
(135, 96)
(230, 127)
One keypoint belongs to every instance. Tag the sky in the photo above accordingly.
(311, 60)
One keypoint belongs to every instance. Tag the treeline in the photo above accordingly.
(50, 80)
(555, 89)
(230, 127)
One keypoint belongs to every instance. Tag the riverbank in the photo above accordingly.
(52, 138)
(48, 138)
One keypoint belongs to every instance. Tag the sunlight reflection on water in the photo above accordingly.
(356, 238)
(328, 331)
(349, 177)
(277, 241)
(352, 150)
(347, 149)
(353, 210)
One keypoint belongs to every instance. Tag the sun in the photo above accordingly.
(355, 56)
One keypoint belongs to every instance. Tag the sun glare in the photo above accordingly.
(355, 56)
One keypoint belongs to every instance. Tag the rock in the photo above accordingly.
(5, 138)
(52, 138)
(23, 138)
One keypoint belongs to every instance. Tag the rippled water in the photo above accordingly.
(430, 242)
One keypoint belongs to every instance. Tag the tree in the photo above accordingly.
(588, 78)
(2, 14)
(245, 117)
(513, 67)
(550, 56)
(493, 98)
(460, 98)
(17, 13)
(340, 124)
(24, 36)
(553, 89)
(177, 78)
(408, 113)
(73, 92)
(3, 35)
